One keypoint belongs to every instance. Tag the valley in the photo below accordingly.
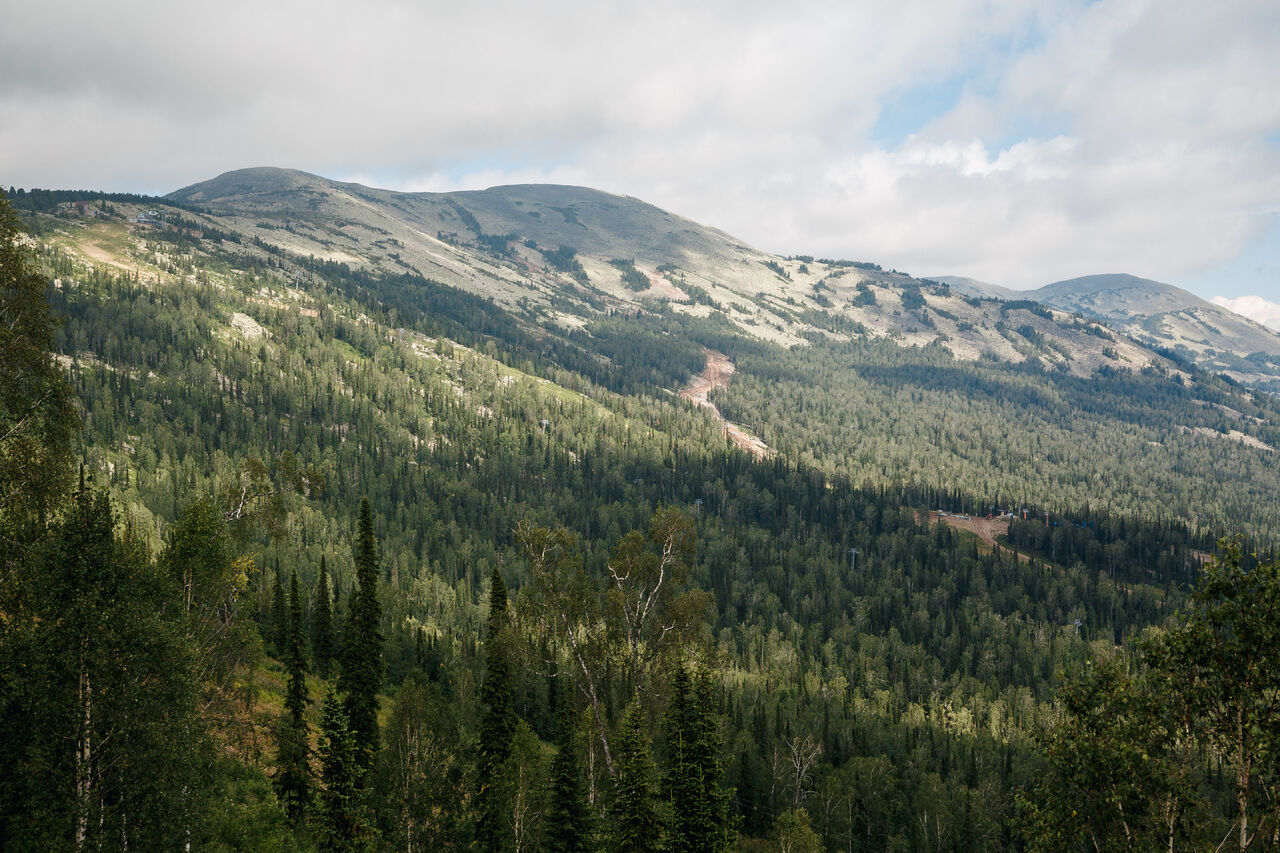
(499, 390)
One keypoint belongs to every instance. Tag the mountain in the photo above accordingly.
(856, 371)
(910, 508)
(1255, 308)
(980, 289)
(561, 254)
(1161, 315)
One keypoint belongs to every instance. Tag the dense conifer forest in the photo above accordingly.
(300, 558)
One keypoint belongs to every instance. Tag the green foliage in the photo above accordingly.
(776, 269)
(424, 771)
(1178, 754)
(98, 695)
(362, 668)
(568, 821)
(917, 678)
(341, 823)
(322, 643)
(697, 807)
(795, 835)
(279, 615)
(498, 719)
(632, 278)
(522, 786)
(912, 299)
(632, 811)
(564, 259)
(293, 782)
(1111, 780)
(38, 419)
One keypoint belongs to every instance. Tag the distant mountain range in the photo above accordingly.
(1213, 336)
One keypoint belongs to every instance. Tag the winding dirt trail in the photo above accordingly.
(716, 374)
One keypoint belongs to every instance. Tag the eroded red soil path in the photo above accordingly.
(716, 374)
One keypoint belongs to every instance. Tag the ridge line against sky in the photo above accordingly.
(1012, 141)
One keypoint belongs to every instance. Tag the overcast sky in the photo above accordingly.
(1015, 142)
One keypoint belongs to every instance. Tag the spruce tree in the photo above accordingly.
(712, 826)
(99, 696)
(498, 719)
(361, 676)
(322, 624)
(698, 808)
(679, 779)
(278, 630)
(633, 816)
(341, 825)
(568, 820)
(293, 776)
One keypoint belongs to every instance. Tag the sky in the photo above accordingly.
(1017, 142)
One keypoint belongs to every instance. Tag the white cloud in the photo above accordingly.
(1119, 135)
(1256, 308)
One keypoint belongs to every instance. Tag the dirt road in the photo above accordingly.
(716, 374)
(986, 529)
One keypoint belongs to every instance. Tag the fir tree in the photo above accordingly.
(100, 704)
(698, 808)
(294, 656)
(568, 820)
(713, 827)
(322, 624)
(293, 778)
(278, 630)
(361, 676)
(498, 720)
(633, 816)
(341, 822)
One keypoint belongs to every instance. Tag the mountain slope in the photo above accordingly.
(1165, 316)
(560, 255)
(840, 366)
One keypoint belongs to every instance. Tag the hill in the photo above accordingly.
(1170, 318)
(219, 339)
(863, 373)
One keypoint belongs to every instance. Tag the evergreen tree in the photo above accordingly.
(633, 816)
(279, 628)
(322, 624)
(38, 418)
(679, 780)
(100, 713)
(498, 718)
(342, 827)
(568, 819)
(707, 754)
(293, 776)
(698, 816)
(361, 676)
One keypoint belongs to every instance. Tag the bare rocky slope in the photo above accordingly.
(563, 254)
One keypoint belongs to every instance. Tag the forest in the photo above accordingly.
(296, 558)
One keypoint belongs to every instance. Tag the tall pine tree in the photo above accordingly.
(498, 718)
(633, 815)
(279, 627)
(568, 819)
(341, 824)
(698, 808)
(293, 783)
(322, 624)
(361, 677)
